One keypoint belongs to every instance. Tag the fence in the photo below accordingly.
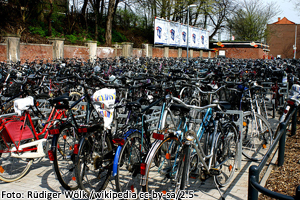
(253, 185)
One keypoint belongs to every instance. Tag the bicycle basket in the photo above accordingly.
(14, 131)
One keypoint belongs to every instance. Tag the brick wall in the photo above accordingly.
(119, 52)
(183, 53)
(40, 51)
(282, 39)
(157, 52)
(205, 54)
(36, 51)
(196, 54)
(173, 53)
(137, 52)
(3, 52)
(106, 52)
(243, 53)
(76, 52)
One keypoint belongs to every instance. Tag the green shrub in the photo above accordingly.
(118, 37)
(71, 38)
(37, 30)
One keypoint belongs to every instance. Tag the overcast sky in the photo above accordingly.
(288, 10)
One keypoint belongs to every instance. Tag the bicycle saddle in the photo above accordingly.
(135, 104)
(64, 97)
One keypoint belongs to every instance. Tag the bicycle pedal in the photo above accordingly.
(215, 172)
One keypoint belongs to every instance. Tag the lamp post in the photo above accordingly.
(187, 41)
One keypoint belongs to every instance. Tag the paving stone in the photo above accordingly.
(42, 178)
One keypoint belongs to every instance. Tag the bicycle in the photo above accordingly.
(66, 136)
(257, 132)
(165, 170)
(20, 141)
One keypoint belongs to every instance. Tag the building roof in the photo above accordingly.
(284, 21)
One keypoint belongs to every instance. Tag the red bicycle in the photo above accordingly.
(21, 142)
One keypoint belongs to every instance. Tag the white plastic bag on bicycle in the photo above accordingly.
(23, 104)
(103, 101)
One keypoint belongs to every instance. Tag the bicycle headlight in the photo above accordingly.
(190, 135)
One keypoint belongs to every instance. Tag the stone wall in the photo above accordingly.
(57, 49)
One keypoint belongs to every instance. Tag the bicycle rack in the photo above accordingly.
(239, 123)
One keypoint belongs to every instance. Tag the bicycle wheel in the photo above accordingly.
(257, 136)
(225, 156)
(64, 157)
(128, 174)
(94, 162)
(12, 169)
(163, 175)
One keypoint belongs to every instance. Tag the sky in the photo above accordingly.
(288, 10)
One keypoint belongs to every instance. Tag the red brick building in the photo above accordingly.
(282, 38)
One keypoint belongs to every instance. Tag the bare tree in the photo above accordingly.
(249, 21)
(219, 14)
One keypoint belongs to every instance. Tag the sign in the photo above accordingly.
(195, 34)
(161, 32)
(169, 33)
(174, 34)
(222, 53)
(183, 37)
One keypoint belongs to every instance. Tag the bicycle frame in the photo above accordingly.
(130, 131)
(25, 150)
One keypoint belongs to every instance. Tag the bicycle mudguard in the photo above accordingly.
(55, 137)
(116, 160)
(81, 143)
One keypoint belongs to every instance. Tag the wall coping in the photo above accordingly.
(35, 44)
(68, 45)
(106, 48)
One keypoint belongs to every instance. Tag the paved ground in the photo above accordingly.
(41, 178)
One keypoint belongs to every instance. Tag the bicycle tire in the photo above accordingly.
(64, 157)
(225, 155)
(93, 172)
(163, 166)
(128, 173)
(256, 139)
(12, 169)
(184, 176)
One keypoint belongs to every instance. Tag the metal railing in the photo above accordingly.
(253, 183)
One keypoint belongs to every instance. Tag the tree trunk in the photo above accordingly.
(50, 18)
(96, 5)
(101, 10)
(83, 13)
(110, 16)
